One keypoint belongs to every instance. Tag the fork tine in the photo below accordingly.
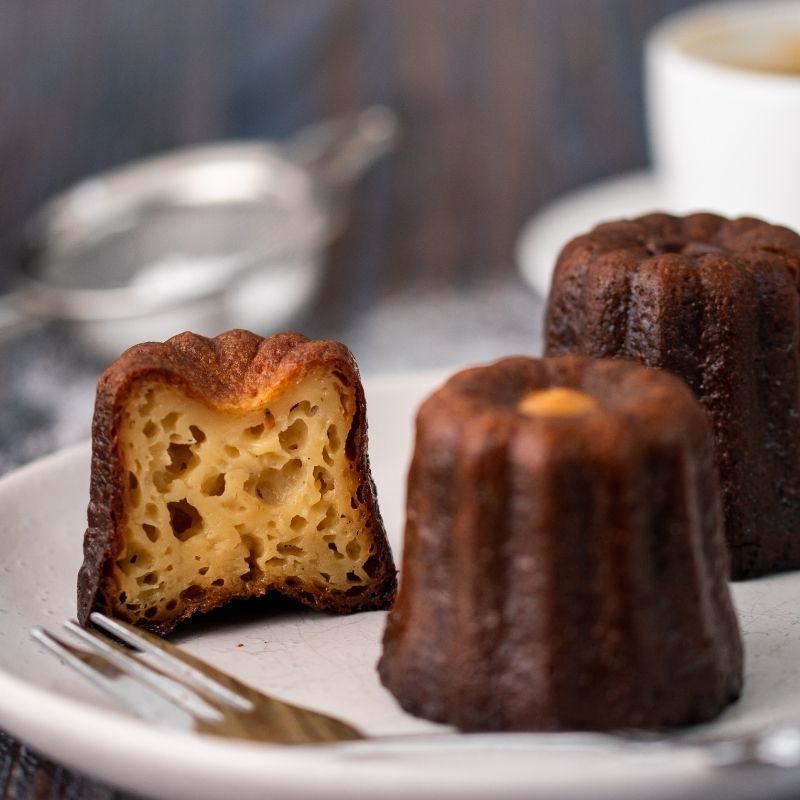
(266, 717)
(102, 673)
(222, 687)
(120, 658)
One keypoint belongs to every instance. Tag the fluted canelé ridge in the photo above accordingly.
(716, 302)
(563, 571)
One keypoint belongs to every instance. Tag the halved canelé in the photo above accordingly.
(224, 468)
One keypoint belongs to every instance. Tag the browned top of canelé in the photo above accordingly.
(570, 393)
(689, 238)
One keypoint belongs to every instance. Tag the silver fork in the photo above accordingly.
(165, 684)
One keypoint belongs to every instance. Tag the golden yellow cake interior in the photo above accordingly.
(239, 500)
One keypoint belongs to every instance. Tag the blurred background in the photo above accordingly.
(503, 104)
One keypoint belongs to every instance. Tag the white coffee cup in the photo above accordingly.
(723, 104)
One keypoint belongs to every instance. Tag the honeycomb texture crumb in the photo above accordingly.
(233, 502)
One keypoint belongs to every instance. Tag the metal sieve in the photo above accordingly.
(203, 239)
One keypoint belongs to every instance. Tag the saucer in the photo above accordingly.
(538, 245)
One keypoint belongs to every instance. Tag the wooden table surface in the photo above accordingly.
(505, 103)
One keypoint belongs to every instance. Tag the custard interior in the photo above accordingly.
(234, 501)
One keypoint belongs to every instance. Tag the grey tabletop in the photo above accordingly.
(47, 379)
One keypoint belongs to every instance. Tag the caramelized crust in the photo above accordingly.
(223, 468)
(563, 571)
(716, 302)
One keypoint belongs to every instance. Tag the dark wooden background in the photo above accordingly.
(506, 104)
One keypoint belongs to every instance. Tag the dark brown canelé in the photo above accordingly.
(716, 302)
(224, 468)
(564, 563)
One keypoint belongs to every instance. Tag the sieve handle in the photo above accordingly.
(339, 151)
(14, 317)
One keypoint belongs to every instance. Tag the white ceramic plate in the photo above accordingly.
(328, 663)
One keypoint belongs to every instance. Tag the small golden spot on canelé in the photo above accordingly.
(557, 402)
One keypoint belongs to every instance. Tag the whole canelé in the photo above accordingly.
(564, 563)
(714, 301)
